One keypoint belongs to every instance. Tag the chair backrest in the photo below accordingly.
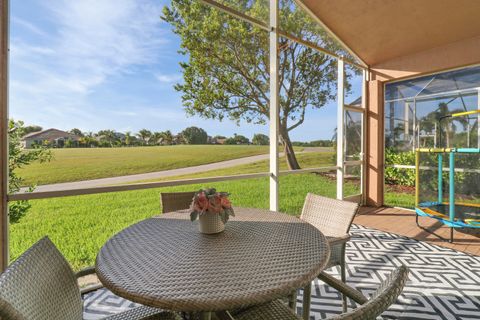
(40, 285)
(173, 201)
(383, 298)
(331, 216)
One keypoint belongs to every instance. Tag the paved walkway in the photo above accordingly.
(149, 175)
(160, 174)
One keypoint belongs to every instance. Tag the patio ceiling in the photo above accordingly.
(377, 31)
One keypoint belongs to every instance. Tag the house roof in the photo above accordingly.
(49, 131)
(377, 31)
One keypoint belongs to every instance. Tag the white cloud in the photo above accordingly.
(168, 78)
(93, 42)
(28, 26)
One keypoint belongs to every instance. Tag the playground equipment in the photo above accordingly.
(447, 184)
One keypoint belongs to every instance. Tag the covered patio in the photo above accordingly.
(389, 41)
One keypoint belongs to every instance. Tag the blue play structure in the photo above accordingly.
(454, 209)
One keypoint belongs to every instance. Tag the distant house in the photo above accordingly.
(54, 137)
(218, 140)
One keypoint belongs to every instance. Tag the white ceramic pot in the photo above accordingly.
(210, 223)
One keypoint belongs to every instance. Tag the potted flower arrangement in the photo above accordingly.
(212, 208)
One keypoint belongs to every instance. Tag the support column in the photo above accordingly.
(478, 119)
(274, 99)
(340, 126)
(375, 144)
(4, 7)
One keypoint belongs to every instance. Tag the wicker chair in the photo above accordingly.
(40, 285)
(333, 218)
(369, 309)
(173, 201)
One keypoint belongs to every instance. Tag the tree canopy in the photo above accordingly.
(260, 139)
(227, 72)
(194, 135)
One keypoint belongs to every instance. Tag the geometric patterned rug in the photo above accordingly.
(443, 283)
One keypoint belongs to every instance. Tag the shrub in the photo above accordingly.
(398, 176)
(18, 158)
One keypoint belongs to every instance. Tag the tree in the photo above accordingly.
(166, 138)
(230, 141)
(155, 138)
(194, 135)
(237, 139)
(227, 73)
(128, 138)
(77, 132)
(33, 128)
(69, 143)
(144, 135)
(447, 126)
(19, 157)
(88, 140)
(107, 137)
(260, 139)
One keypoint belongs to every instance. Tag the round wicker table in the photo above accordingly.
(166, 262)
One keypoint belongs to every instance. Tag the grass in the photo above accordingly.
(395, 198)
(83, 164)
(80, 225)
(306, 160)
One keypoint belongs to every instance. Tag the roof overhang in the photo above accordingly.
(391, 34)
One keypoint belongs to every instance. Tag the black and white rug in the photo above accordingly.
(443, 283)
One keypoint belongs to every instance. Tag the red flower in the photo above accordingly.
(201, 204)
(226, 203)
(215, 204)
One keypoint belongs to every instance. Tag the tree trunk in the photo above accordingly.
(290, 156)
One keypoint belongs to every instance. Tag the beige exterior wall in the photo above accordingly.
(452, 56)
(374, 159)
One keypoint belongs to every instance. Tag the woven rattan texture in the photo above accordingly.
(40, 286)
(336, 255)
(383, 298)
(165, 262)
(145, 313)
(385, 295)
(173, 201)
(274, 310)
(332, 217)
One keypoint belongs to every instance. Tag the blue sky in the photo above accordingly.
(110, 64)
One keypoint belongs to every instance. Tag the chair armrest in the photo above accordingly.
(338, 240)
(350, 292)
(144, 313)
(85, 272)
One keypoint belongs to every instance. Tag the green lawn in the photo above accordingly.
(306, 160)
(84, 164)
(395, 198)
(80, 225)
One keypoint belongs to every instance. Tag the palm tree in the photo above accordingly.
(448, 126)
(108, 136)
(166, 138)
(128, 138)
(155, 138)
(144, 135)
